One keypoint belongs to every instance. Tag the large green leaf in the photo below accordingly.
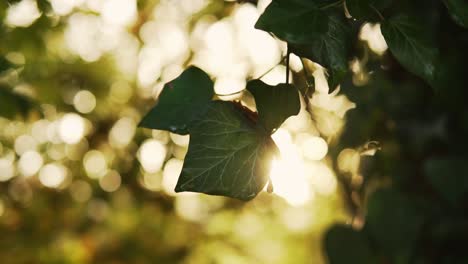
(330, 50)
(228, 154)
(368, 10)
(448, 176)
(293, 22)
(344, 245)
(412, 44)
(459, 11)
(180, 102)
(274, 103)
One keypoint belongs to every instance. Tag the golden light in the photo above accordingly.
(22, 14)
(39, 130)
(95, 164)
(288, 171)
(190, 207)
(80, 191)
(323, 179)
(171, 174)
(62, 8)
(119, 12)
(349, 160)
(111, 181)
(180, 140)
(373, 35)
(151, 155)
(30, 163)
(314, 148)
(25, 143)
(71, 128)
(121, 134)
(153, 181)
(7, 169)
(84, 101)
(53, 175)
(2, 208)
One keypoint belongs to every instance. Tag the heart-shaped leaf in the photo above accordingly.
(293, 21)
(412, 45)
(180, 102)
(274, 103)
(331, 50)
(228, 154)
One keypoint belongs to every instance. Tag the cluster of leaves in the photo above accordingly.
(230, 146)
(423, 130)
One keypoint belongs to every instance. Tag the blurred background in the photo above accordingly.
(80, 183)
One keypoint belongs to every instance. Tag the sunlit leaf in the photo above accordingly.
(344, 245)
(293, 22)
(330, 50)
(180, 102)
(274, 103)
(412, 45)
(459, 11)
(448, 176)
(228, 154)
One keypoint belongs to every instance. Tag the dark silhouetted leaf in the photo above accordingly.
(228, 154)
(459, 11)
(330, 50)
(367, 9)
(293, 22)
(274, 103)
(180, 102)
(448, 176)
(412, 44)
(344, 245)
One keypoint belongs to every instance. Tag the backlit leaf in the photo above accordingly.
(274, 103)
(181, 101)
(228, 154)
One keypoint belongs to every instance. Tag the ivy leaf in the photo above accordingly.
(344, 245)
(412, 45)
(330, 50)
(367, 9)
(180, 102)
(228, 154)
(293, 22)
(448, 176)
(459, 11)
(274, 103)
